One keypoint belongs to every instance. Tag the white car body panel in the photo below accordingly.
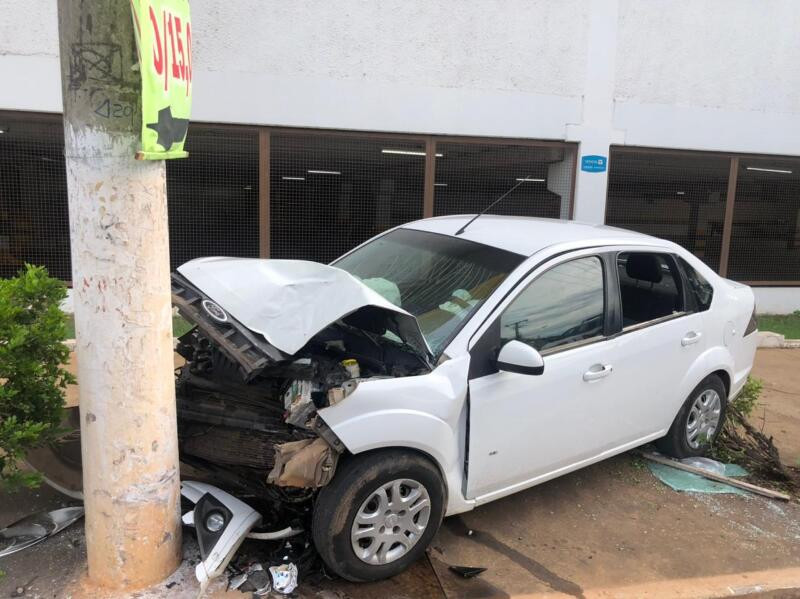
(426, 413)
(430, 413)
(290, 301)
(501, 432)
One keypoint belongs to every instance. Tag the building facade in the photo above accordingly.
(318, 124)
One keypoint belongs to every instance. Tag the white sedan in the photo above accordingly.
(434, 369)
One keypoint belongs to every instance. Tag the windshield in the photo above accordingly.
(439, 279)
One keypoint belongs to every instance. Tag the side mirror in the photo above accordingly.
(516, 356)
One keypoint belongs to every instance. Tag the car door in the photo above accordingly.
(662, 335)
(526, 428)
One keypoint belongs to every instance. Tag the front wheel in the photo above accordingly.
(699, 421)
(378, 514)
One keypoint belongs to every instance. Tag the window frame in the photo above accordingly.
(671, 260)
(690, 292)
(580, 343)
(487, 342)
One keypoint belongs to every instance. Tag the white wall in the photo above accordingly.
(709, 75)
(716, 75)
(777, 300)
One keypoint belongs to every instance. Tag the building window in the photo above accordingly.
(331, 192)
(675, 196)
(470, 176)
(213, 195)
(34, 218)
(765, 235)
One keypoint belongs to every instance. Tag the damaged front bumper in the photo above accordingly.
(268, 350)
(222, 523)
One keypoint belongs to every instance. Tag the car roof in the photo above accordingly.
(527, 235)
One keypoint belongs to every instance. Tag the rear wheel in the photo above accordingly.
(699, 421)
(378, 514)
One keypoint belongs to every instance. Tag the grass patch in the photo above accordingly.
(787, 325)
(179, 326)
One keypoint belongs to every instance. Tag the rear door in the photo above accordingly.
(662, 335)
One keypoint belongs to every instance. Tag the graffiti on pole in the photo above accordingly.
(164, 41)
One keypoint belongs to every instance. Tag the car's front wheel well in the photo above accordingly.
(402, 448)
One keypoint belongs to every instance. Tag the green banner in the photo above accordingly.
(164, 40)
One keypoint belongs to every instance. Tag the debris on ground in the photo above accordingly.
(467, 571)
(36, 528)
(254, 579)
(273, 560)
(709, 472)
(681, 480)
(284, 578)
(743, 442)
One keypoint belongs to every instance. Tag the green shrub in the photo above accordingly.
(32, 355)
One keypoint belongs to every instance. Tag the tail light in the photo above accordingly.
(752, 326)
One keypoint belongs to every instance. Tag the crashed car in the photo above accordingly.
(436, 368)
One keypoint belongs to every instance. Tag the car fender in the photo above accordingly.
(426, 413)
(711, 360)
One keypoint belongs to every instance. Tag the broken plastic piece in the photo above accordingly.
(217, 545)
(278, 534)
(36, 528)
(306, 463)
(284, 578)
(467, 571)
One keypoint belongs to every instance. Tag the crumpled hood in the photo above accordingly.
(290, 301)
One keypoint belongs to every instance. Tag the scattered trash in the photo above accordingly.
(254, 579)
(36, 528)
(693, 474)
(467, 571)
(284, 578)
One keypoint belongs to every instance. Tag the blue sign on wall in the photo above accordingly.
(594, 164)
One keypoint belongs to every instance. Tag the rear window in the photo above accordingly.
(700, 289)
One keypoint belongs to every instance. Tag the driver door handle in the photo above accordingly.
(691, 337)
(598, 371)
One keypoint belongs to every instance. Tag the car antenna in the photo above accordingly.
(490, 206)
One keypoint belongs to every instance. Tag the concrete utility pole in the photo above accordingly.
(120, 278)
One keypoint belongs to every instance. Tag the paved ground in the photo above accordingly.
(611, 530)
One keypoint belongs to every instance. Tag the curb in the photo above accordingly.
(776, 340)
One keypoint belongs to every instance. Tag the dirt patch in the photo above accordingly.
(779, 407)
(613, 525)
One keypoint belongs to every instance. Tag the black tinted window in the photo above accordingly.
(563, 305)
(649, 287)
(698, 286)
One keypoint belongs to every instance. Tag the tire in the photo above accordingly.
(677, 442)
(356, 489)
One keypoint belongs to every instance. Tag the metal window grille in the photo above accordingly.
(675, 196)
(329, 193)
(470, 176)
(34, 224)
(213, 195)
(765, 232)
